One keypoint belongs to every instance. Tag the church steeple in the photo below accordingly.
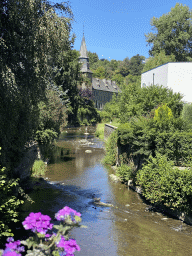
(83, 49)
(84, 59)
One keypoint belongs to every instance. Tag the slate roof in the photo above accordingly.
(83, 49)
(105, 85)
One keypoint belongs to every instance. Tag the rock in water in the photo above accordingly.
(115, 178)
(88, 151)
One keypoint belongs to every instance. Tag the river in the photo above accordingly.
(127, 229)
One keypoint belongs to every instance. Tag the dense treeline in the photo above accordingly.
(119, 71)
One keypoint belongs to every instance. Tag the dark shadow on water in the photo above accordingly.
(51, 197)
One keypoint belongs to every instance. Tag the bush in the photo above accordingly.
(162, 183)
(38, 168)
(126, 171)
(105, 116)
(187, 115)
(144, 136)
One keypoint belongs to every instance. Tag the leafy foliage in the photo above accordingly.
(173, 33)
(87, 113)
(126, 171)
(99, 72)
(187, 115)
(93, 58)
(136, 65)
(9, 203)
(52, 116)
(29, 61)
(163, 115)
(111, 109)
(137, 101)
(145, 136)
(163, 184)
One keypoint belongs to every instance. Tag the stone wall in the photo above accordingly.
(108, 130)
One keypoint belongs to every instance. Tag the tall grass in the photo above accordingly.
(100, 131)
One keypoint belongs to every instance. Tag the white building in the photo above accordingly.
(174, 75)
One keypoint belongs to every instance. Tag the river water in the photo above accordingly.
(75, 176)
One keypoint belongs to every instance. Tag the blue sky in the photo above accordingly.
(115, 29)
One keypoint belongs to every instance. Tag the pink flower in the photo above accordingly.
(12, 248)
(66, 211)
(70, 246)
(37, 222)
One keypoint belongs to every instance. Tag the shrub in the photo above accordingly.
(143, 136)
(163, 184)
(187, 114)
(126, 171)
(38, 168)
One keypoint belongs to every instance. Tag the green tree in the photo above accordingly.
(112, 108)
(163, 117)
(124, 67)
(27, 64)
(136, 65)
(52, 116)
(173, 33)
(130, 79)
(151, 97)
(113, 64)
(159, 59)
(99, 72)
(118, 78)
(67, 75)
(93, 58)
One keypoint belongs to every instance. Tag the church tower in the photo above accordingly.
(84, 59)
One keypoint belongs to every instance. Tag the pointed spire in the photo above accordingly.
(83, 49)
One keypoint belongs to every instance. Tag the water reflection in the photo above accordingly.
(126, 229)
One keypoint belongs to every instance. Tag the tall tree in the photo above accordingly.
(32, 36)
(173, 33)
(93, 58)
(124, 67)
(136, 65)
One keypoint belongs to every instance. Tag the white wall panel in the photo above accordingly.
(157, 75)
(180, 79)
(175, 75)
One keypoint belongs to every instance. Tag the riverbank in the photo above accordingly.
(187, 218)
